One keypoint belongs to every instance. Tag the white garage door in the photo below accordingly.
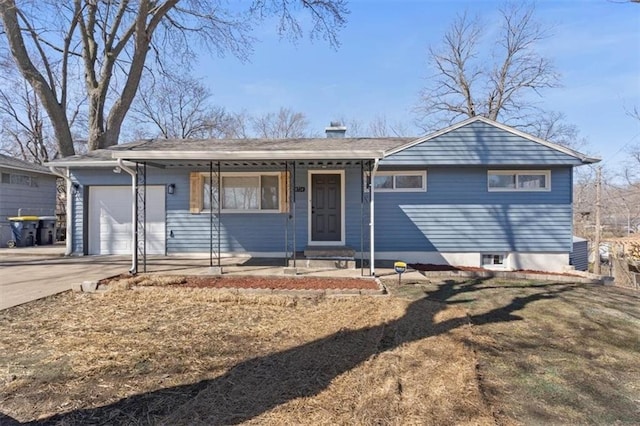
(110, 220)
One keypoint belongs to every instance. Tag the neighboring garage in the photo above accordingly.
(110, 230)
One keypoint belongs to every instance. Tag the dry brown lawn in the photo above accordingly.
(169, 355)
(551, 353)
(469, 352)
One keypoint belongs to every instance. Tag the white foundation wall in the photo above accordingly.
(550, 262)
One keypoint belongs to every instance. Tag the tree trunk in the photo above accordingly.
(55, 109)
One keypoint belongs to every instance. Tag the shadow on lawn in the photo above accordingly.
(257, 385)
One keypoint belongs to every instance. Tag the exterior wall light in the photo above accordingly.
(171, 188)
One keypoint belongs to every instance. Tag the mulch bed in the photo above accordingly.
(243, 282)
(426, 267)
(429, 267)
(285, 283)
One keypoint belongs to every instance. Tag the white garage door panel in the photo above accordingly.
(110, 220)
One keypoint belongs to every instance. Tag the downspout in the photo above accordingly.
(69, 235)
(372, 259)
(134, 215)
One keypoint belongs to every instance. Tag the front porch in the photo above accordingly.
(319, 217)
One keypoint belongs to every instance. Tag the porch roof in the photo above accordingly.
(162, 150)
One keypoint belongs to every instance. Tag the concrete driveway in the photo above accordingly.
(24, 278)
(31, 273)
(28, 274)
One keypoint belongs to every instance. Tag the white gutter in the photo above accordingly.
(247, 155)
(372, 268)
(83, 163)
(69, 208)
(134, 214)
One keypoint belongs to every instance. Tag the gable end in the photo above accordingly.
(479, 141)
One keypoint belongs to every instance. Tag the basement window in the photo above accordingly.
(492, 259)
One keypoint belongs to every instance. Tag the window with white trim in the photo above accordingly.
(400, 181)
(519, 180)
(241, 192)
(17, 179)
(493, 260)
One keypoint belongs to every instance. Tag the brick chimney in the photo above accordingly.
(335, 130)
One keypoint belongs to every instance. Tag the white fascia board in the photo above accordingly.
(248, 155)
(26, 170)
(83, 163)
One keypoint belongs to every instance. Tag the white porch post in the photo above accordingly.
(69, 234)
(134, 216)
(372, 256)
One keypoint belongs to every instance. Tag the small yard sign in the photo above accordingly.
(400, 267)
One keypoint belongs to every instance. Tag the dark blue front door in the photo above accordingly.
(326, 207)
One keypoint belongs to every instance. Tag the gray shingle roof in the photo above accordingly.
(322, 146)
(243, 145)
(17, 164)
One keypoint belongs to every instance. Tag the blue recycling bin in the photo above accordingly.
(24, 229)
(46, 230)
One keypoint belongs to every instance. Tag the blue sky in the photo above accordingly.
(382, 65)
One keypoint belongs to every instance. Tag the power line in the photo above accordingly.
(632, 139)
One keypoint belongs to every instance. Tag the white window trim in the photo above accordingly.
(242, 174)
(33, 181)
(503, 265)
(394, 173)
(546, 173)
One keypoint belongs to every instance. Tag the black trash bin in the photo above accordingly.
(24, 229)
(46, 230)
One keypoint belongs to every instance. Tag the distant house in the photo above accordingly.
(25, 189)
(477, 193)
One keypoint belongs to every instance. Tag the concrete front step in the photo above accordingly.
(329, 252)
(335, 263)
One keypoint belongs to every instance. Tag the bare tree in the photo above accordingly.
(284, 124)
(23, 125)
(106, 44)
(631, 167)
(236, 126)
(469, 82)
(380, 127)
(553, 127)
(177, 108)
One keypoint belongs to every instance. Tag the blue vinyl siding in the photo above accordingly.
(458, 214)
(37, 200)
(85, 177)
(239, 232)
(579, 257)
(77, 216)
(244, 232)
(353, 217)
(479, 143)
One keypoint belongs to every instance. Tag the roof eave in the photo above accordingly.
(248, 155)
(25, 169)
(591, 160)
(82, 163)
